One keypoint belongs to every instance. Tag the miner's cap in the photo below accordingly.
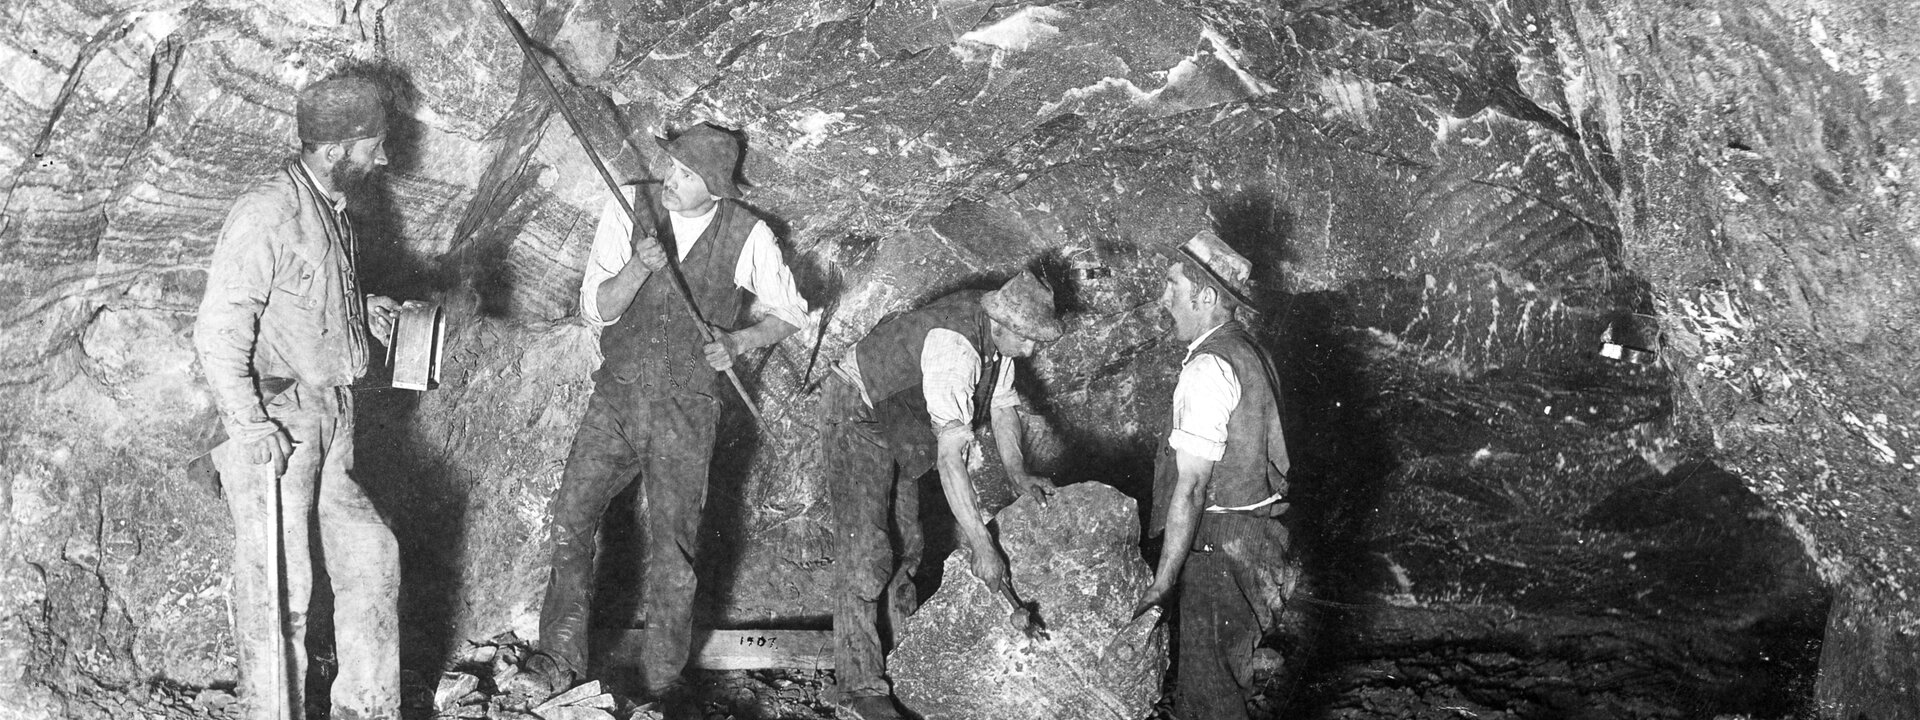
(341, 109)
(711, 152)
(1218, 264)
(1025, 305)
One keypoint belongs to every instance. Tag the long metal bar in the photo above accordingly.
(673, 269)
(280, 686)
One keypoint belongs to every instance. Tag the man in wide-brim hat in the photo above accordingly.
(655, 403)
(905, 400)
(282, 333)
(1220, 484)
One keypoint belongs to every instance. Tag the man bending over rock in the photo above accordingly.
(902, 402)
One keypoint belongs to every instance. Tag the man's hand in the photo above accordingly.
(1155, 595)
(1032, 486)
(648, 251)
(271, 449)
(720, 352)
(991, 570)
(382, 313)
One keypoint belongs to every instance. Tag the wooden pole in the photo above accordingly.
(280, 685)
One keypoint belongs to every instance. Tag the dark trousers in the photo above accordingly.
(665, 439)
(876, 510)
(1223, 614)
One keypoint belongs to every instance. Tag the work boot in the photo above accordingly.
(872, 707)
(550, 672)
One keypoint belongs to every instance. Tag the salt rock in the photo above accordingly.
(1078, 559)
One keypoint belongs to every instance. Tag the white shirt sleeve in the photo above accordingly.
(612, 248)
(1203, 400)
(949, 370)
(764, 273)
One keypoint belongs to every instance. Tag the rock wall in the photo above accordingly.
(1448, 203)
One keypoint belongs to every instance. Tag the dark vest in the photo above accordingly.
(656, 341)
(1255, 464)
(889, 359)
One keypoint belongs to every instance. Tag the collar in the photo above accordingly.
(687, 230)
(1195, 345)
(701, 218)
(337, 198)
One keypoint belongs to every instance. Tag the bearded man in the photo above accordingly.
(283, 331)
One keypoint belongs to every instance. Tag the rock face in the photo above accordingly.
(1448, 203)
(1078, 560)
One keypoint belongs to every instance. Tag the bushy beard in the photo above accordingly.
(348, 177)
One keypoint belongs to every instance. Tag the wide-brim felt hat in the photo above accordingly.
(711, 152)
(1219, 265)
(1025, 306)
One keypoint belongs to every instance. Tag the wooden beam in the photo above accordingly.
(739, 649)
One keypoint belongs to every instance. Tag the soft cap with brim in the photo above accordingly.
(711, 152)
(1025, 306)
(1218, 264)
(342, 109)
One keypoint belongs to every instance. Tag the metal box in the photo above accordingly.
(419, 341)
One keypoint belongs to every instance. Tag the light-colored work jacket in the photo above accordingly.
(282, 298)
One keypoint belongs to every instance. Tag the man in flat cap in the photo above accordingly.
(905, 400)
(283, 330)
(656, 396)
(1219, 485)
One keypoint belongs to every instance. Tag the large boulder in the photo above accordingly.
(1077, 561)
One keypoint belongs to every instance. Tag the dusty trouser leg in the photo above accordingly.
(1218, 632)
(860, 484)
(601, 464)
(903, 597)
(673, 484)
(248, 488)
(363, 565)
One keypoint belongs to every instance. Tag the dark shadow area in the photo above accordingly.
(723, 526)
(425, 504)
(1714, 552)
(422, 502)
(617, 568)
(1339, 452)
(1341, 459)
(385, 266)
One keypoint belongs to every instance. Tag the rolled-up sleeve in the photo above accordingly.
(226, 328)
(763, 272)
(612, 248)
(1203, 401)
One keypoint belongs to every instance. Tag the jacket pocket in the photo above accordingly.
(299, 282)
